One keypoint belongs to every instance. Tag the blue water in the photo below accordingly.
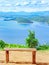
(13, 32)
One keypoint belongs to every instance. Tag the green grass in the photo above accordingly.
(40, 47)
(15, 46)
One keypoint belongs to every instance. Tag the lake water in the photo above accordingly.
(13, 32)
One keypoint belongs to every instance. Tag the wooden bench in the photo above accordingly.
(22, 49)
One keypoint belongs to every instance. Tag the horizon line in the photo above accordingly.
(23, 11)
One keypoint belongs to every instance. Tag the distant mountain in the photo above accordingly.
(26, 17)
(43, 13)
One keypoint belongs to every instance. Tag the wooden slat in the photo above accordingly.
(21, 62)
(20, 49)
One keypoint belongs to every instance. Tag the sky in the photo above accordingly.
(24, 5)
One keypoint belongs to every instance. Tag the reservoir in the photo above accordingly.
(13, 32)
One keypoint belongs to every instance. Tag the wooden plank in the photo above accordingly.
(20, 49)
(21, 62)
(15, 64)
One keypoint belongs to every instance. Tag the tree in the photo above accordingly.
(31, 41)
(2, 44)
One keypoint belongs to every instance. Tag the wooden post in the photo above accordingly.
(33, 57)
(7, 56)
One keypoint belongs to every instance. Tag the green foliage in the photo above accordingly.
(15, 46)
(2, 44)
(7, 45)
(31, 41)
(43, 47)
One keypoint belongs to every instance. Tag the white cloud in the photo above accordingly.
(43, 2)
(36, 9)
(33, 2)
(24, 3)
(17, 3)
(8, 4)
(0, 5)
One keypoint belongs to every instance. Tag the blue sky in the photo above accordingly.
(24, 5)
